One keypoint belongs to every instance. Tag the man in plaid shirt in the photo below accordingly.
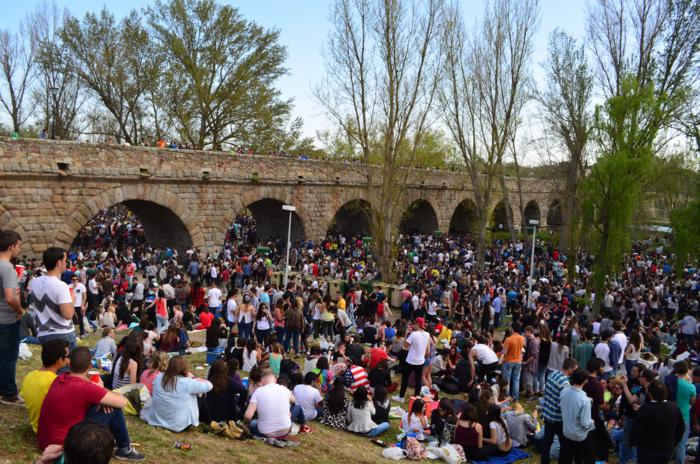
(551, 410)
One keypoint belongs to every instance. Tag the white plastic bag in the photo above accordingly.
(24, 351)
(394, 453)
(450, 454)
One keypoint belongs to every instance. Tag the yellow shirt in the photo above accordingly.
(341, 303)
(34, 389)
(445, 334)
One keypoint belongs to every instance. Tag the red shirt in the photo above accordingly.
(66, 403)
(205, 319)
(376, 355)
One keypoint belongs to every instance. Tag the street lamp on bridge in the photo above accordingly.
(291, 209)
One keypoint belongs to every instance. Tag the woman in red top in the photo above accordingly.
(197, 295)
(161, 312)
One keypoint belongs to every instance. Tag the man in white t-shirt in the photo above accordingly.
(483, 360)
(78, 293)
(418, 346)
(621, 340)
(272, 403)
(308, 397)
(50, 300)
(602, 351)
(214, 298)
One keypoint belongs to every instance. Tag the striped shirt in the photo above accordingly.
(356, 378)
(556, 382)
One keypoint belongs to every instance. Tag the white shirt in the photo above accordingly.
(484, 354)
(419, 345)
(214, 297)
(79, 292)
(47, 293)
(92, 286)
(231, 307)
(621, 340)
(307, 397)
(273, 402)
(602, 351)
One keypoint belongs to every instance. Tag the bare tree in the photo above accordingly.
(58, 94)
(382, 76)
(484, 91)
(17, 59)
(566, 111)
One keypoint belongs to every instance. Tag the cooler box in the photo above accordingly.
(213, 355)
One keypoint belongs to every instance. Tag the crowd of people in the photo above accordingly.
(492, 366)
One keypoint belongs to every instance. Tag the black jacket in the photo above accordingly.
(658, 426)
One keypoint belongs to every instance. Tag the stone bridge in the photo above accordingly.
(50, 189)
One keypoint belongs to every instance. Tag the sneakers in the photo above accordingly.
(305, 429)
(131, 455)
(14, 401)
(400, 399)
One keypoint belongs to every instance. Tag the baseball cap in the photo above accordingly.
(421, 322)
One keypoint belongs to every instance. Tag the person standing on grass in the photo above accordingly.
(658, 427)
(551, 411)
(512, 358)
(576, 420)
(11, 313)
(418, 346)
(51, 299)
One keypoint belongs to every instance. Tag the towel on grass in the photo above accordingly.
(514, 455)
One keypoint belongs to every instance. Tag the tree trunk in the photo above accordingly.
(481, 238)
(509, 211)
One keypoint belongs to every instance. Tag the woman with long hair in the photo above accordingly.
(633, 351)
(159, 363)
(499, 442)
(360, 412)
(543, 359)
(128, 366)
(175, 404)
(470, 434)
(263, 324)
(222, 399)
(170, 340)
(335, 406)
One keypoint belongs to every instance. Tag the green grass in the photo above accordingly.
(321, 446)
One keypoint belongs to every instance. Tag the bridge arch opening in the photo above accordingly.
(531, 212)
(134, 223)
(353, 218)
(465, 218)
(271, 221)
(554, 215)
(499, 217)
(419, 218)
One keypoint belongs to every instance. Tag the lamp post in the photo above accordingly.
(534, 223)
(53, 91)
(291, 209)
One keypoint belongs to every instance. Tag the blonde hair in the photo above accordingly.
(159, 361)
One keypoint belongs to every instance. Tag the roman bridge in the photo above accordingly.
(50, 189)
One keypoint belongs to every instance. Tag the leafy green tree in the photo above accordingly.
(219, 72)
(685, 222)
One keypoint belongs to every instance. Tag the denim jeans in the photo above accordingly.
(69, 337)
(279, 332)
(542, 374)
(115, 421)
(261, 336)
(378, 430)
(9, 353)
(245, 330)
(680, 449)
(511, 373)
(291, 335)
(161, 323)
(551, 429)
(627, 451)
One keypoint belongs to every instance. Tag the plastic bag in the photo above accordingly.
(24, 351)
(394, 453)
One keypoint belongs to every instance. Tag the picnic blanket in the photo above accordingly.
(514, 455)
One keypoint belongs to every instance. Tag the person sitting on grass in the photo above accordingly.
(360, 413)
(159, 364)
(499, 442)
(415, 422)
(335, 406)
(54, 356)
(273, 404)
(308, 396)
(73, 398)
(106, 345)
(175, 404)
(223, 399)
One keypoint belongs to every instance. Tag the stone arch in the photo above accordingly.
(499, 218)
(554, 215)
(420, 217)
(531, 212)
(272, 222)
(353, 218)
(464, 218)
(167, 220)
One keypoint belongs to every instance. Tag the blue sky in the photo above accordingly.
(304, 28)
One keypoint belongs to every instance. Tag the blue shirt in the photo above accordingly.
(556, 382)
(497, 304)
(576, 413)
